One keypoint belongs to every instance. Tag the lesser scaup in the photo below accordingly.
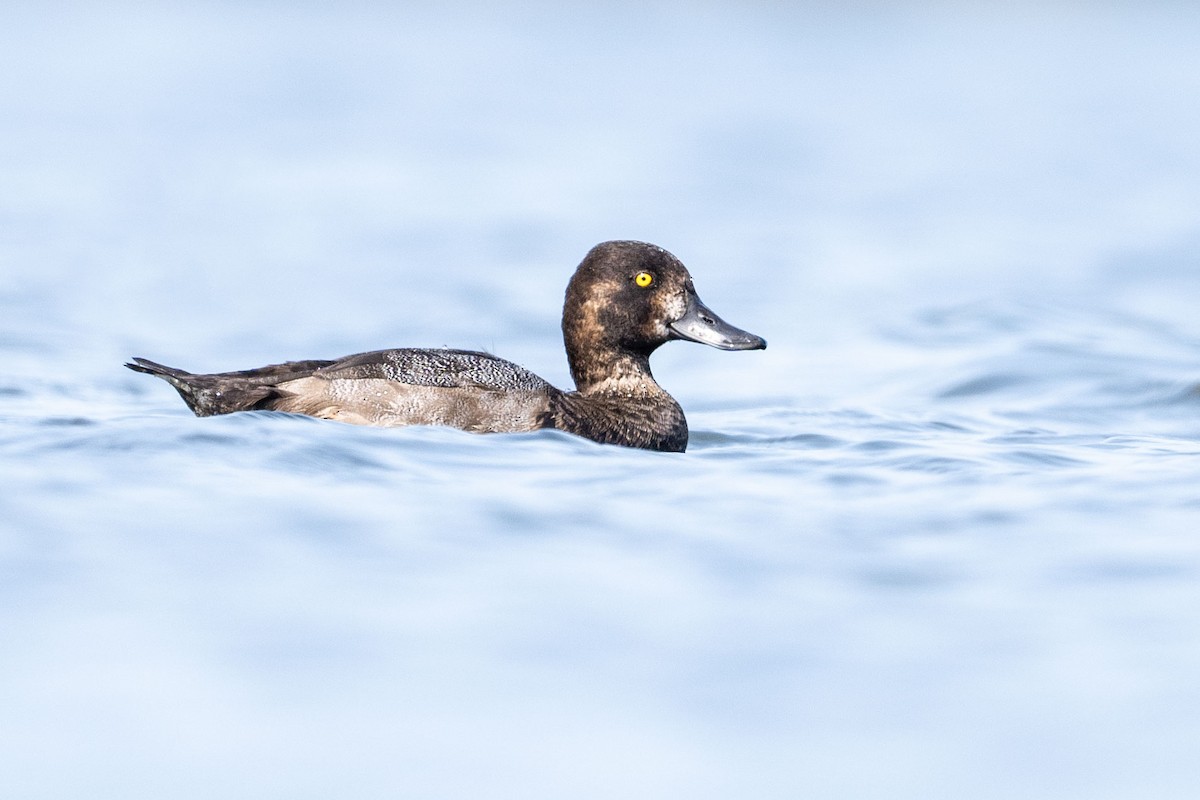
(624, 300)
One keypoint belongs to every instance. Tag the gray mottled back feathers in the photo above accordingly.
(446, 368)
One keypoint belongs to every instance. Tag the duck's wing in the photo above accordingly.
(459, 388)
(429, 367)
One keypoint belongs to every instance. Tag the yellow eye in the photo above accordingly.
(643, 279)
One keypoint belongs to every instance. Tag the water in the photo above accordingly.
(939, 540)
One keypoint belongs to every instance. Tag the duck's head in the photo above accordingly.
(628, 298)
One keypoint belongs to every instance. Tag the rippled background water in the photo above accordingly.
(940, 540)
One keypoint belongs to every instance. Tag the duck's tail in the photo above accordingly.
(208, 395)
(154, 368)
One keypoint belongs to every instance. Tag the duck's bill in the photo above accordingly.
(701, 325)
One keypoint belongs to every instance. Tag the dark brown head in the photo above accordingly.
(628, 298)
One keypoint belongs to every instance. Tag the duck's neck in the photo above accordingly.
(601, 366)
(616, 375)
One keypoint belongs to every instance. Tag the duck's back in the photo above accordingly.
(413, 386)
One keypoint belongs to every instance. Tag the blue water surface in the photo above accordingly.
(941, 539)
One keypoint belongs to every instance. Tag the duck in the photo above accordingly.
(624, 301)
